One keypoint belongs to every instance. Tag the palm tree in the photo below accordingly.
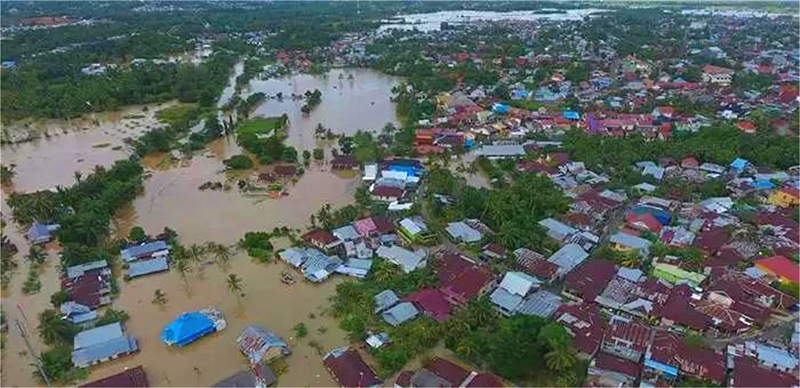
(235, 285)
(159, 297)
(560, 358)
(196, 253)
(631, 259)
(78, 176)
(53, 329)
(221, 253)
(36, 256)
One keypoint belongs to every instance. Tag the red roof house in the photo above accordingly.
(780, 267)
(133, 377)
(746, 126)
(590, 279)
(349, 369)
(584, 324)
(432, 302)
(747, 373)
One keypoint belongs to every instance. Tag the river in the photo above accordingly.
(171, 198)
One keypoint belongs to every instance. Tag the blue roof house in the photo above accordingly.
(41, 233)
(191, 326)
(501, 108)
(147, 267)
(571, 115)
(400, 313)
(739, 165)
(101, 344)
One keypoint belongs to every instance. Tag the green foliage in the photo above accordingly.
(239, 162)
(112, 316)
(57, 364)
(694, 340)
(258, 245)
(300, 330)
(313, 99)
(718, 144)
(319, 154)
(58, 298)
(32, 284)
(246, 106)
(264, 138)
(55, 330)
(7, 175)
(137, 235)
(788, 288)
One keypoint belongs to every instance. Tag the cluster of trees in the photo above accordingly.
(83, 210)
(239, 162)
(719, 144)
(246, 106)
(313, 99)
(264, 138)
(184, 118)
(32, 91)
(259, 244)
(512, 212)
(527, 350)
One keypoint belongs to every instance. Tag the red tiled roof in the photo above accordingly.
(404, 379)
(689, 162)
(644, 220)
(746, 126)
(724, 317)
(711, 69)
(133, 377)
(633, 334)
(387, 192)
(383, 224)
(447, 370)
(747, 373)
(669, 348)
(712, 240)
(432, 302)
(467, 285)
(485, 380)
(350, 370)
(615, 364)
(450, 265)
(319, 236)
(591, 278)
(679, 310)
(781, 267)
(584, 323)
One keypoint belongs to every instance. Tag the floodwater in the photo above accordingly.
(427, 22)
(348, 105)
(172, 199)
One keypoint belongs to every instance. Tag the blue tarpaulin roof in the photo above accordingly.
(662, 216)
(739, 164)
(187, 328)
(670, 370)
(501, 108)
(571, 115)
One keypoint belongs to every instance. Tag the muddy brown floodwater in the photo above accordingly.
(348, 105)
(172, 199)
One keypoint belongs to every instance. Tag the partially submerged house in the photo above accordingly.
(101, 344)
(77, 313)
(261, 345)
(191, 326)
(349, 369)
(150, 249)
(40, 233)
(258, 376)
(147, 267)
(132, 377)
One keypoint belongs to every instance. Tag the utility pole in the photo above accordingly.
(36, 359)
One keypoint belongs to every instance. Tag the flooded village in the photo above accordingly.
(434, 195)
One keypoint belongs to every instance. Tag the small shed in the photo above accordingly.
(259, 345)
(384, 300)
(400, 313)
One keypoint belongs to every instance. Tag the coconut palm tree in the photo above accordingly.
(235, 285)
(159, 297)
(53, 329)
(561, 357)
(221, 253)
(631, 259)
(196, 254)
(36, 256)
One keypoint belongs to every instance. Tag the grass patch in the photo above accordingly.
(260, 126)
(174, 114)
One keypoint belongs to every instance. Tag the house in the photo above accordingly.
(322, 239)
(668, 356)
(89, 284)
(626, 242)
(717, 75)
(584, 324)
(358, 268)
(606, 370)
(400, 313)
(387, 193)
(452, 374)
(349, 369)
(285, 170)
(258, 376)
(261, 345)
(501, 151)
(679, 311)
(406, 259)
(147, 267)
(785, 197)
(385, 299)
(509, 295)
(626, 338)
(689, 162)
(772, 357)
(746, 126)
(132, 377)
(344, 162)
(535, 264)
(557, 230)
(40, 233)
(432, 302)
(346, 233)
(589, 280)
(747, 373)
(317, 266)
(643, 222)
(156, 248)
(99, 267)
(676, 275)
(101, 344)
(462, 232)
(567, 258)
(467, 285)
(370, 172)
(739, 165)
(414, 229)
(541, 303)
(77, 313)
(493, 251)
(191, 326)
(780, 267)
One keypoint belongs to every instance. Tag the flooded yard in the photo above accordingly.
(172, 199)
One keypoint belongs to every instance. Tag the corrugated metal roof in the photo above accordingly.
(97, 335)
(400, 313)
(568, 257)
(385, 299)
(146, 267)
(505, 300)
(134, 252)
(79, 270)
(518, 283)
(541, 304)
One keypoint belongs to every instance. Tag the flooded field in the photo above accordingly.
(348, 104)
(171, 198)
(426, 22)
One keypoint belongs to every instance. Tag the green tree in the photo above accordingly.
(235, 285)
(55, 330)
(137, 235)
(561, 357)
